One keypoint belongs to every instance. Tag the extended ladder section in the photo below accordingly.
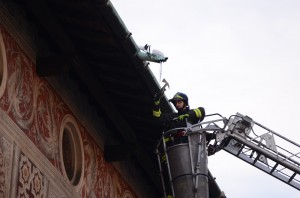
(182, 154)
(263, 148)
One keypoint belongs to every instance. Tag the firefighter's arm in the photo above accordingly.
(156, 109)
(198, 113)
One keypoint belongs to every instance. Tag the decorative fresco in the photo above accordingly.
(5, 169)
(31, 103)
(31, 180)
(98, 176)
(38, 110)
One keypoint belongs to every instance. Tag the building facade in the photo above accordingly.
(51, 143)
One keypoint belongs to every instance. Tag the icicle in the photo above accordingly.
(160, 71)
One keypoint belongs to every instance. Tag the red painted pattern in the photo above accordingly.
(38, 110)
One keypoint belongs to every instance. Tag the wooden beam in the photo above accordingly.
(47, 20)
(52, 65)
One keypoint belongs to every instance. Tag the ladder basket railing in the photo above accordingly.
(180, 164)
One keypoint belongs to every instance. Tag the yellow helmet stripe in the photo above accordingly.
(178, 96)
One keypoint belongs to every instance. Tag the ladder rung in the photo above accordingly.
(274, 168)
(241, 149)
(257, 157)
(292, 177)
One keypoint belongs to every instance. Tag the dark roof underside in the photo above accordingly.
(88, 40)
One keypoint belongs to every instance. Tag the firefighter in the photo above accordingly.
(181, 119)
(183, 116)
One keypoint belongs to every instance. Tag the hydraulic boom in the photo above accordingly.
(263, 148)
(183, 159)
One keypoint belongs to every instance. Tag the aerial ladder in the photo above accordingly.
(183, 159)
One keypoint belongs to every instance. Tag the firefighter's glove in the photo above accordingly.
(182, 117)
(157, 97)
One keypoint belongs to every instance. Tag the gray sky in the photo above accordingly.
(229, 56)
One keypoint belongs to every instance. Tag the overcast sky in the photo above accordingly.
(229, 56)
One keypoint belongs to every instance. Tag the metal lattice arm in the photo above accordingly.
(263, 148)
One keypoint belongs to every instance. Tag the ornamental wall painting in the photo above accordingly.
(38, 111)
(99, 177)
(30, 101)
(32, 182)
(5, 168)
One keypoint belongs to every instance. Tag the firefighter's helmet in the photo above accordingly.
(180, 96)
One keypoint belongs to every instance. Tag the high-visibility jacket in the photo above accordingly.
(168, 120)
